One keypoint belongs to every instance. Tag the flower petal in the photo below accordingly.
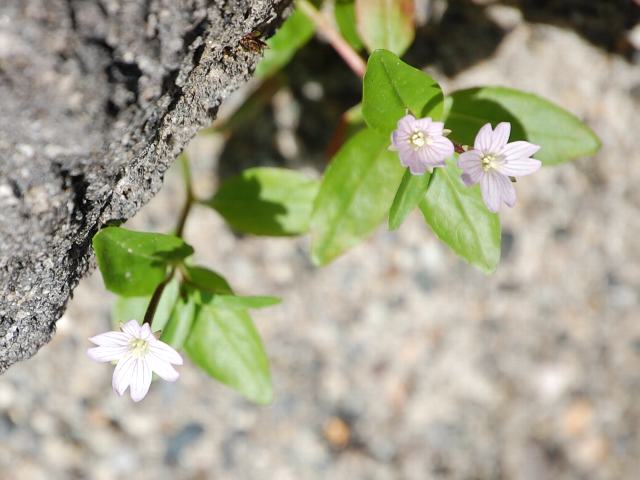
(507, 190)
(484, 139)
(520, 167)
(410, 158)
(516, 162)
(145, 332)
(430, 157)
(406, 124)
(165, 352)
(491, 188)
(467, 180)
(500, 137)
(423, 124)
(140, 380)
(162, 368)
(443, 147)
(435, 129)
(399, 139)
(110, 339)
(122, 374)
(471, 163)
(132, 327)
(519, 149)
(107, 354)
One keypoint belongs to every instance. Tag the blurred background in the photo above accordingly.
(397, 361)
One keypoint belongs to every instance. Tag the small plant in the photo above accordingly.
(454, 157)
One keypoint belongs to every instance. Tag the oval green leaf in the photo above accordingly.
(267, 201)
(459, 217)
(207, 280)
(561, 135)
(355, 195)
(391, 87)
(225, 344)
(178, 328)
(134, 263)
(411, 191)
(387, 24)
(239, 301)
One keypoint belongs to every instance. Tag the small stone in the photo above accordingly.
(577, 418)
(337, 432)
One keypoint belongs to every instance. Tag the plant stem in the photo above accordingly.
(155, 299)
(189, 201)
(340, 45)
(190, 198)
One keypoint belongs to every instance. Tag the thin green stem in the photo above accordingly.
(190, 198)
(326, 29)
(189, 201)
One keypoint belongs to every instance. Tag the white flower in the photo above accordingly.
(138, 353)
(492, 161)
(421, 144)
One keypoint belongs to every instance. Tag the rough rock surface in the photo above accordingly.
(97, 98)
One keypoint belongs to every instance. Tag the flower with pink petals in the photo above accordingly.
(421, 144)
(138, 353)
(493, 161)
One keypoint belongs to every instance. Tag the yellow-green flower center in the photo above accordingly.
(138, 347)
(488, 162)
(418, 139)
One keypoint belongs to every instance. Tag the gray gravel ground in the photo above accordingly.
(398, 361)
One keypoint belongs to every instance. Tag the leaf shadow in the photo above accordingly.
(431, 104)
(177, 253)
(464, 121)
(246, 210)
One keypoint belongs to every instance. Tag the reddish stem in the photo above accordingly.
(340, 45)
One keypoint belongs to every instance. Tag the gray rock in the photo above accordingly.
(98, 98)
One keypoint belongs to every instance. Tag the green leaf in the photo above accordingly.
(207, 280)
(178, 328)
(238, 301)
(460, 219)
(391, 87)
(411, 191)
(292, 35)
(355, 195)
(128, 308)
(134, 263)
(386, 24)
(561, 135)
(267, 201)
(345, 13)
(219, 293)
(226, 345)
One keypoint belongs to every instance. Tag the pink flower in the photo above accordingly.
(138, 353)
(421, 144)
(492, 161)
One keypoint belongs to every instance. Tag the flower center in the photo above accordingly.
(418, 140)
(488, 162)
(138, 347)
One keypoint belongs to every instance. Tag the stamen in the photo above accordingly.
(138, 346)
(487, 162)
(418, 140)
